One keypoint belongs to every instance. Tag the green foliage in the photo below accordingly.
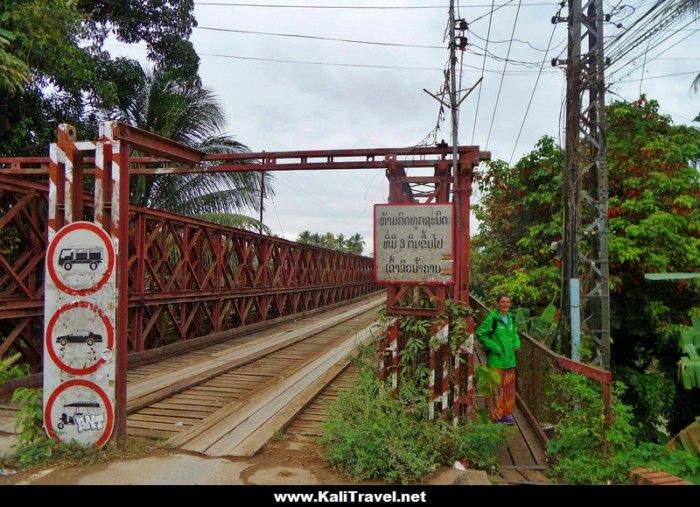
(13, 71)
(237, 221)
(584, 451)
(654, 226)
(165, 26)
(675, 462)
(689, 364)
(10, 371)
(46, 452)
(30, 417)
(188, 113)
(368, 435)
(654, 394)
(477, 441)
(371, 435)
(53, 51)
(353, 244)
(543, 327)
(415, 353)
(486, 380)
(520, 217)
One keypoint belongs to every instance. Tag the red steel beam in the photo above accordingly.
(248, 161)
(155, 144)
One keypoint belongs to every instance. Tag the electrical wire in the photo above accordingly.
(330, 64)
(318, 37)
(483, 67)
(661, 76)
(358, 7)
(534, 88)
(500, 86)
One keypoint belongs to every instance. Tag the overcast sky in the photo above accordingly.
(275, 105)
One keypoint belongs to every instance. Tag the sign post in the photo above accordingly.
(414, 243)
(79, 338)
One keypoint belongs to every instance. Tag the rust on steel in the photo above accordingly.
(156, 145)
(373, 158)
(187, 278)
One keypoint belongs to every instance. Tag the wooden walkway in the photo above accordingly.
(522, 461)
(181, 398)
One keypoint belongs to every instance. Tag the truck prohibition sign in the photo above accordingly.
(70, 256)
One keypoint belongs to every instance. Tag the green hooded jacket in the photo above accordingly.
(502, 345)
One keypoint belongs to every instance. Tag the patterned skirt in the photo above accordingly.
(502, 402)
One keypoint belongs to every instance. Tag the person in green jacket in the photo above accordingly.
(499, 335)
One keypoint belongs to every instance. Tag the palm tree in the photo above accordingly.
(355, 243)
(190, 114)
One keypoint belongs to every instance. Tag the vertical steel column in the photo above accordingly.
(55, 217)
(120, 235)
(597, 310)
(66, 137)
(585, 71)
(393, 334)
(139, 282)
(463, 189)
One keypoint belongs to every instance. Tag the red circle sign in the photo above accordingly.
(50, 338)
(109, 412)
(76, 226)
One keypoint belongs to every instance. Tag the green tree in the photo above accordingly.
(353, 244)
(165, 26)
(520, 216)
(188, 113)
(654, 224)
(71, 76)
(13, 71)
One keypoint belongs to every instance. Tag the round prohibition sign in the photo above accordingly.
(76, 226)
(50, 341)
(109, 412)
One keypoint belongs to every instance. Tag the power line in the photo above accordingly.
(330, 64)
(483, 67)
(659, 53)
(516, 40)
(500, 86)
(661, 76)
(319, 37)
(359, 7)
(534, 88)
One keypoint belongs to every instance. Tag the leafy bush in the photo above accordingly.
(8, 371)
(371, 435)
(675, 462)
(584, 451)
(29, 418)
(477, 441)
(34, 446)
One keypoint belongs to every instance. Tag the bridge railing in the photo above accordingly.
(187, 278)
(535, 365)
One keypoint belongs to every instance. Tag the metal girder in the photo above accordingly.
(187, 277)
(152, 143)
(263, 161)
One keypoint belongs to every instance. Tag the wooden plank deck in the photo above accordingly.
(191, 406)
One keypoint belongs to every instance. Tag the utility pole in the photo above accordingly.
(455, 138)
(585, 193)
(457, 42)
